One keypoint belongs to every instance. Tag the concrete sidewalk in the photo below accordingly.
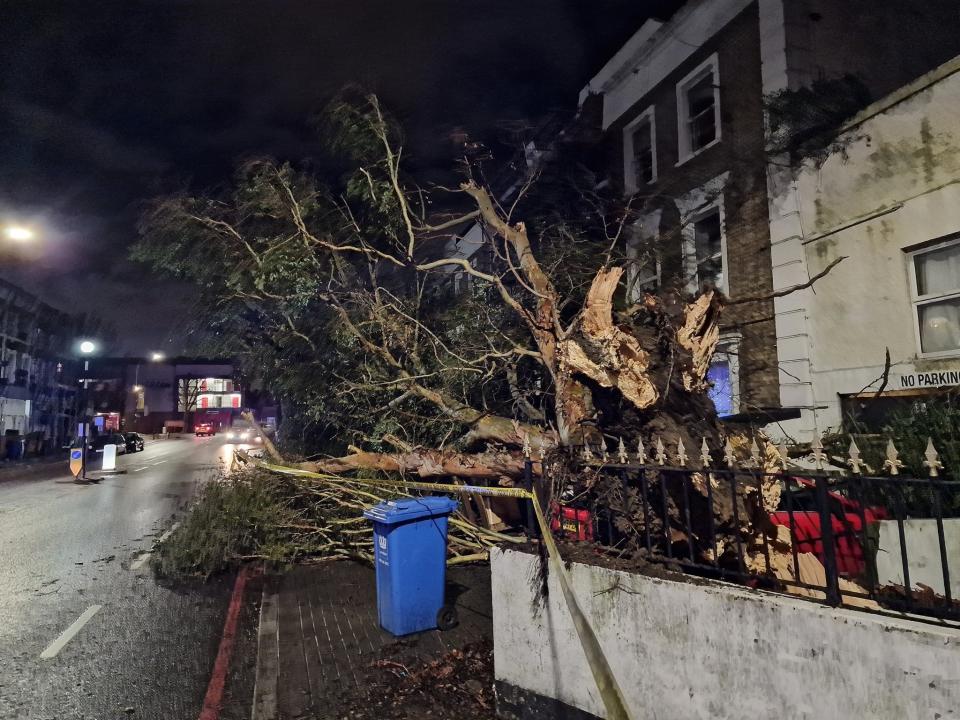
(322, 652)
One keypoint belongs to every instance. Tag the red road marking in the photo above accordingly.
(214, 697)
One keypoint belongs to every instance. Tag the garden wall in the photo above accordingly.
(683, 649)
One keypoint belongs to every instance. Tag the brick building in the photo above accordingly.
(682, 108)
(37, 390)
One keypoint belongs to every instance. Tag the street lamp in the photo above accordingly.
(19, 233)
(86, 348)
(157, 357)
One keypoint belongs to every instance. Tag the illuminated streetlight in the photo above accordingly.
(18, 233)
(87, 347)
(157, 356)
(137, 388)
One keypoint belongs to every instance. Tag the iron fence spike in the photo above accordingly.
(641, 452)
(819, 459)
(604, 458)
(854, 454)
(932, 459)
(728, 455)
(622, 452)
(661, 452)
(705, 454)
(681, 453)
(526, 445)
(587, 455)
(893, 462)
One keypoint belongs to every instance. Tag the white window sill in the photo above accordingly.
(942, 355)
(706, 147)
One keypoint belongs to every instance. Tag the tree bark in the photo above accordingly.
(429, 463)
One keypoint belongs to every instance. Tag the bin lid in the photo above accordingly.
(391, 512)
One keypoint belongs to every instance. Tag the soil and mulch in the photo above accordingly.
(456, 685)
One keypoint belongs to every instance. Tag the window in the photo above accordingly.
(698, 109)
(647, 277)
(724, 376)
(643, 267)
(640, 152)
(643, 153)
(704, 251)
(935, 283)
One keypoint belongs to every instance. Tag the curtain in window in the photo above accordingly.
(938, 272)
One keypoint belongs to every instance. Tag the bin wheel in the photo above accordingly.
(447, 618)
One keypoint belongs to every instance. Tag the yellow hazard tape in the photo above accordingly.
(603, 676)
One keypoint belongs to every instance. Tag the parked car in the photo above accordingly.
(134, 442)
(204, 428)
(96, 444)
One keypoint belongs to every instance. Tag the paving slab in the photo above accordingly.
(330, 644)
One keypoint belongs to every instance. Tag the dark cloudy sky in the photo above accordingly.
(103, 104)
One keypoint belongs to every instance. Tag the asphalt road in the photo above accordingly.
(85, 629)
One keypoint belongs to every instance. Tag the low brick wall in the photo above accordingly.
(711, 650)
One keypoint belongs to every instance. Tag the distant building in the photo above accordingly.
(683, 114)
(136, 394)
(37, 388)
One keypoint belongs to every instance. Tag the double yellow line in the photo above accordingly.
(603, 676)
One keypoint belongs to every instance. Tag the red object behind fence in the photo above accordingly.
(851, 561)
(571, 523)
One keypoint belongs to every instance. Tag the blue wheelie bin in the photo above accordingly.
(410, 552)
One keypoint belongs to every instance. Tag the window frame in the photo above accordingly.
(685, 149)
(691, 264)
(631, 182)
(917, 300)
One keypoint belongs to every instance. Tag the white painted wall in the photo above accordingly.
(713, 651)
(898, 185)
(923, 554)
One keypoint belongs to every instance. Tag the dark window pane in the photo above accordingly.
(709, 249)
(701, 120)
(643, 152)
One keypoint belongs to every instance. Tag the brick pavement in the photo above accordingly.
(329, 636)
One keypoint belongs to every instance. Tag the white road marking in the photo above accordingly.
(140, 468)
(142, 560)
(57, 645)
(265, 684)
(158, 463)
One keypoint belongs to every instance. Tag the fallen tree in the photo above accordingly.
(340, 296)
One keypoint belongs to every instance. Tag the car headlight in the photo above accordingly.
(231, 435)
(258, 439)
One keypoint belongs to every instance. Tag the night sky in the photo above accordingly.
(104, 104)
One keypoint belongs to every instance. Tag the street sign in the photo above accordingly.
(76, 461)
(942, 378)
(109, 457)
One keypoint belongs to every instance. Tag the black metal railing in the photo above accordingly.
(813, 534)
